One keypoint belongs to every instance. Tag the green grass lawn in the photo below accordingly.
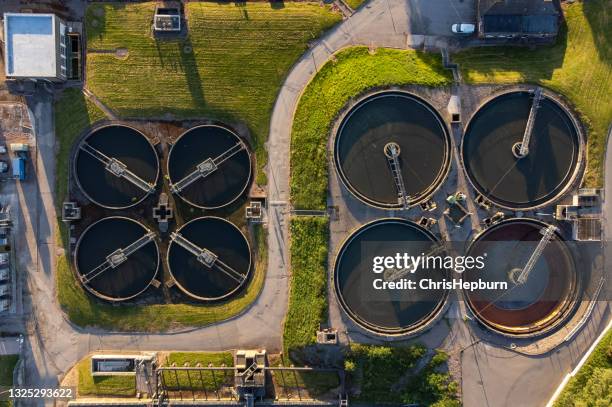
(117, 386)
(353, 72)
(73, 115)
(308, 294)
(7, 366)
(316, 383)
(579, 66)
(209, 381)
(592, 385)
(386, 374)
(354, 4)
(230, 67)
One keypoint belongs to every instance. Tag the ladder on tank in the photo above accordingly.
(118, 257)
(207, 257)
(521, 149)
(392, 152)
(547, 235)
(206, 167)
(118, 168)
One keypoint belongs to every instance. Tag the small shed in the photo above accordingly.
(167, 18)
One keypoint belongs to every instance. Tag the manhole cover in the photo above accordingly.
(121, 53)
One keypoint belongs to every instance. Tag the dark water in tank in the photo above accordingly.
(223, 239)
(222, 186)
(381, 119)
(128, 146)
(129, 278)
(534, 179)
(386, 311)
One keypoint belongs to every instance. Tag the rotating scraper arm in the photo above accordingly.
(118, 257)
(548, 234)
(524, 146)
(207, 257)
(206, 167)
(118, 168)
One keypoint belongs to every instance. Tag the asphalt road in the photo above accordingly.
(494, 376)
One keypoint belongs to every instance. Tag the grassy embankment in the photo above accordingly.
(207, 380)
(390, 374)
(354, 4)
(592, 385)
(579, 66)
(230, 67)
(308, 291)
(7, 368)
(307, 302)
(116, 386)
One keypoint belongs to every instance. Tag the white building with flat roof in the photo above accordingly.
(35, 46)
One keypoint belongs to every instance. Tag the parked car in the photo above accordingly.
(5, 290)
(463, 28)
(3, 166)
(4, 258)
(2, 149)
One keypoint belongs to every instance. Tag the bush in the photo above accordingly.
(592, 385)
(308, 293)
(385, 374)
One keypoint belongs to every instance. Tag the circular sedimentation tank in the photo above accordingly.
(116, 166)
(209, 258)
(491, 147)
(543, 300)
(388, 127)
(209, 166)
(357, 286)
(116, 258)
